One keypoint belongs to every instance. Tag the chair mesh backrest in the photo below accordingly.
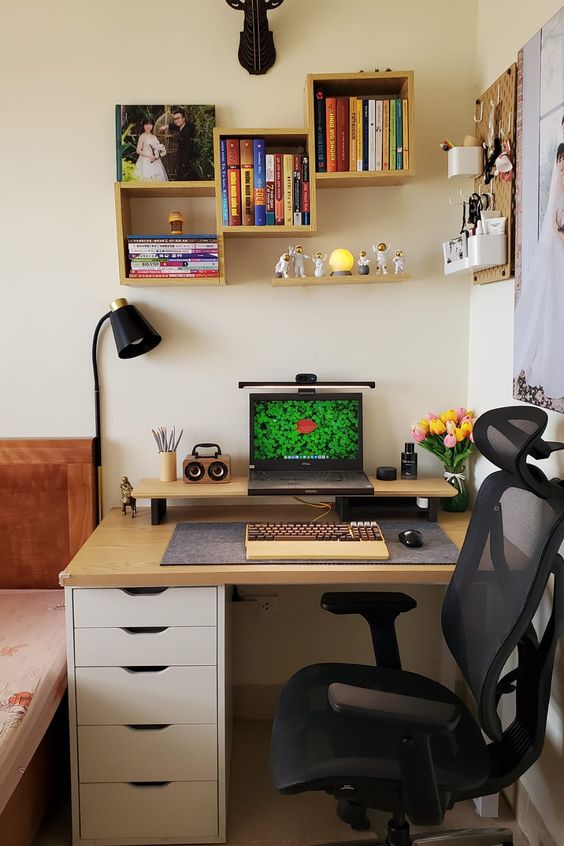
(506, 558)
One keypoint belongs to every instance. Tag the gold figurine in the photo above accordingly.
(126, 499)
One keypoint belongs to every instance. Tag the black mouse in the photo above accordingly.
(411, 537)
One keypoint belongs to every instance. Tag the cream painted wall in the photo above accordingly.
(69, 63)
(490, 367)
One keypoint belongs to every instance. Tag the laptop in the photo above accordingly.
(307, 444)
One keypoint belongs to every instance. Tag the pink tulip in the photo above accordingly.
(431, 416)
(460, 413)
(419, 433)
(450, 440)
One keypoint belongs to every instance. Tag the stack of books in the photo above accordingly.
(260, 188)
(357, 133)
(172, 256)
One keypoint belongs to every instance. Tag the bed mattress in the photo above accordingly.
(33, 676)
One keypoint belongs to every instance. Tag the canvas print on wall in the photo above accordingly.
(163, 143)
(538, 356)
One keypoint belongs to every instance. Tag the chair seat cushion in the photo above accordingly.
(313, 747)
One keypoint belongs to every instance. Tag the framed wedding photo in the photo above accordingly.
(164, 143)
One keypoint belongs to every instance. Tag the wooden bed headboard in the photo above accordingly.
(47, 507)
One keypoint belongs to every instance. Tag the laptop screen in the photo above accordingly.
(306, 431)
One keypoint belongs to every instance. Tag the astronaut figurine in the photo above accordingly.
(381, 252)
(282, 266)
(363, 263)
(319, 260)
(399, 261)
(298, 257)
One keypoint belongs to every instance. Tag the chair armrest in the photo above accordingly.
(366, 602)
(425, 716)
(379, 609)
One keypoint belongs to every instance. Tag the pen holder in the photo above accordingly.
(167, 466)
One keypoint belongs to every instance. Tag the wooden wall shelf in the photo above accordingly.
(384, 85)
(354, 279)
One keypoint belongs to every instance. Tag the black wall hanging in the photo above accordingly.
(256, 43)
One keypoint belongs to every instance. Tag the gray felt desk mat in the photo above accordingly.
(224, 543)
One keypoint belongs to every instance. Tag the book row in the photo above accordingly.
(357, 133)
(259, 188)
(187, 256)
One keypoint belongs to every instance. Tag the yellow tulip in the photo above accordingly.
(466, 428)
(424, 423)
(437, 426)
(449, 415)
(459, 434)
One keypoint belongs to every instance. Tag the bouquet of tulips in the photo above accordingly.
(448, 436)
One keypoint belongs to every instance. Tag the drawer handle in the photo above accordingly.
(149, 783)
(144, 591)
(144, 669)
(144, 629)
(148, 727)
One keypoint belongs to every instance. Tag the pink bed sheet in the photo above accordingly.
(33, 676)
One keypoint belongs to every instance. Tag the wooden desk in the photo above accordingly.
(147, 668)
(124, 552)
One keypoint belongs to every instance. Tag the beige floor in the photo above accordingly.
(259, 815)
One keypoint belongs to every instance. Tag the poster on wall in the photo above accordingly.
(538, 353)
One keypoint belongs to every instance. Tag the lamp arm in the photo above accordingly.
(97, 440)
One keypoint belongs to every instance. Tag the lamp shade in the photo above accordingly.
(133, 333)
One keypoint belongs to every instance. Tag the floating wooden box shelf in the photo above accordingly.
(190, 197)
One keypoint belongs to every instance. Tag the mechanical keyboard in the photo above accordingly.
(356, 540)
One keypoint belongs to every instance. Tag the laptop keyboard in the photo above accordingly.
(305, 476)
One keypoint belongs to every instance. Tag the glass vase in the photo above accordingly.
(461, 500)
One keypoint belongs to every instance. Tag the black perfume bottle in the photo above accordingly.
(409, 462)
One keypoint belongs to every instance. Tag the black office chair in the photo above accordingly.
(383, 738)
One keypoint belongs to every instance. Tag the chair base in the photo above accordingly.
(399, 835)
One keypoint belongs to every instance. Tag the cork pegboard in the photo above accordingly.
(503, 95)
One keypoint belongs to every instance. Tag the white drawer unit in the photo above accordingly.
(147, 753)
(147, 715)
(98, 608)
(182, 809)
(123, 696)
(144, 646)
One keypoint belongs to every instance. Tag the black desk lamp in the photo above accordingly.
(134, 336)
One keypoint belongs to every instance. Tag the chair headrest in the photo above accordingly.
(507, 436)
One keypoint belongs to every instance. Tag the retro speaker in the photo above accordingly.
(207, 468)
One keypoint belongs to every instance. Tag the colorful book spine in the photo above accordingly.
(270, 219)
(378, 134)
(365, 134)
(392, 134)
(331, 133)
(372, 135)
(223, 174)
(342, 108)
(288, 175)
(233, 181)
(247, 183)
(278, 189)
(405, 122)
(359, 138)
(399, 136)
(320, 139)
(306, 196)
(352, 133)
(297, 191)
(259, 181)
(196, 274)
(386, 135)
